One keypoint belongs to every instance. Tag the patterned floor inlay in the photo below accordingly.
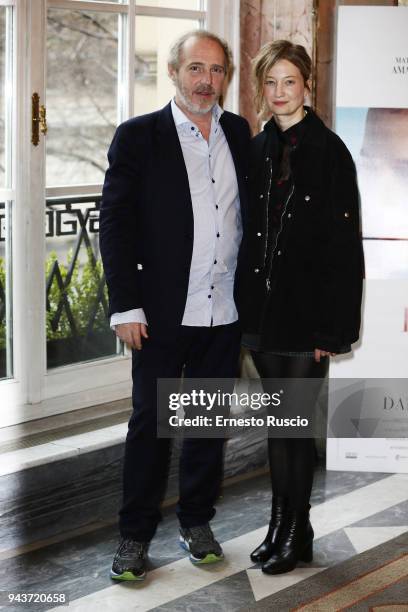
(361, 588)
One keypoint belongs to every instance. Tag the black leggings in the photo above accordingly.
(291, 460)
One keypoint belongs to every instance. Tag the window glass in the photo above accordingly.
(154, 36)
(77, 300)
(5, 181)
(82, 64)
(5, 293)
(2, 92)
(190, 5)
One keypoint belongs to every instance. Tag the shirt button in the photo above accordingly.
(192, 128)
(259, 234)
(289, 215)
(266, 159)
(215, 261)
(212, 286)
(307, 198)
(261, 196)
(209, 297)
(218, 234)
(279, 252)
(213, 180)
(216, 206)
(256, 270)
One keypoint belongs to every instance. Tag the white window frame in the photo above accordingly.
(34, 392)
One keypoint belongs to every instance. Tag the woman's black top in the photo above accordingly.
(300, 269)
(281, 183)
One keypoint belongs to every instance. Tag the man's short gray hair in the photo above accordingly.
(175, 53)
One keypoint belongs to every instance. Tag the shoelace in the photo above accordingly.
(130, 548)
(202, 534)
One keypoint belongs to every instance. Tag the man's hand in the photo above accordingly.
(131, 334)
(318, 353)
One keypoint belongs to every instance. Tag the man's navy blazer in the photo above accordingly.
(146, 216)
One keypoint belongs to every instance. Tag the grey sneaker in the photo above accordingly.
(130, 560)
(201, 544)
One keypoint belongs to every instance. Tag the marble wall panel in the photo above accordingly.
(263, 21)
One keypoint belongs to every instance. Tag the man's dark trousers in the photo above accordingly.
(205, 352)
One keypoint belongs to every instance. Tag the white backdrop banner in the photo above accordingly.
(372, 119)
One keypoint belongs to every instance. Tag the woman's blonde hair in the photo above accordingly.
(271, 53)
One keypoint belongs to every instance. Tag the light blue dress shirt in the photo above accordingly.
(217, 226)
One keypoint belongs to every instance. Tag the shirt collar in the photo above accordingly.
(180, 118)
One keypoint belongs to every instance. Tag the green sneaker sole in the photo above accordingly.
(127, 576)
(211, 558)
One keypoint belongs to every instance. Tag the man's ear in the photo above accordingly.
(171, 72)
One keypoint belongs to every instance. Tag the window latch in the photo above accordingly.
(38, 119)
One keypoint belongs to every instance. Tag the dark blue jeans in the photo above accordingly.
(203, 352)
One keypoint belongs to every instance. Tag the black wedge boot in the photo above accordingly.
(295, 543)
(265, 550)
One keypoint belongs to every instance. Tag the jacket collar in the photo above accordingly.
(314, 129)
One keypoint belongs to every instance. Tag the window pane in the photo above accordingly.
(154, 36)
(190, 5)
(77, 302)
(5, 207)
(5, 292)
(82, 66)
(2, 92)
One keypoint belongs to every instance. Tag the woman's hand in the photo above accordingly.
(319, 353)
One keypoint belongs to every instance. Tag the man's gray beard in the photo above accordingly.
(190, 106)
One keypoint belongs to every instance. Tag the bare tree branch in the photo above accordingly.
(76, 156)
(74, 28)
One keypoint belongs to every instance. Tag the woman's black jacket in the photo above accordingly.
(309, 295)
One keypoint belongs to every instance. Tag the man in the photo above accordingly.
(170, 230)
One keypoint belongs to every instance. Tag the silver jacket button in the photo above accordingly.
(279, 252)
(346, 214)
(259, 234)
(256, 270)
(307, 198)
(289, 215)
(261, 196)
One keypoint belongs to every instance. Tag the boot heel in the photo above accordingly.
(307, 555)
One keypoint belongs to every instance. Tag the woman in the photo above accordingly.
(300, 274)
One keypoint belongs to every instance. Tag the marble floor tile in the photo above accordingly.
(227, 595)
(395, 515)
(80, 565)
(364, 538)
(25, 458)
(328, 484)
(363, 502)
(263, 585)
(332, 549)
(179, 578)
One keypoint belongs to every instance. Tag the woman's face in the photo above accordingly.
(284, 91)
